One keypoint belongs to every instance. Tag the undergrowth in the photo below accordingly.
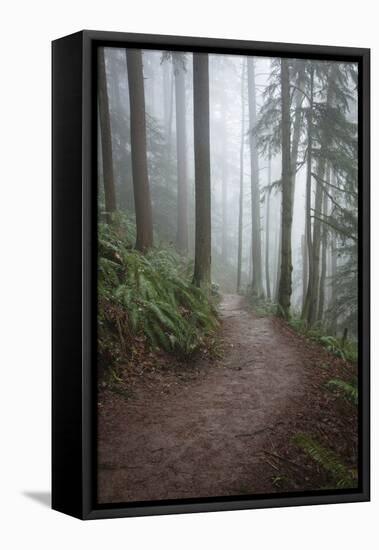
(340, 475)
(345, 349)
(348, 390)
(148, 298)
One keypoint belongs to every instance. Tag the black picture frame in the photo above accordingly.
(74, 273)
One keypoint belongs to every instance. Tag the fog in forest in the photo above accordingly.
(227, 275)
(246, 170)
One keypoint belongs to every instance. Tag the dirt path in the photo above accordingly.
(221, 432)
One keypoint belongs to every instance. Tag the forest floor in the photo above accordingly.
(225, 426)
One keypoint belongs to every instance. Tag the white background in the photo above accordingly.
(27, 29)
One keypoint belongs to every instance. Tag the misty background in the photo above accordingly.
(231, 199)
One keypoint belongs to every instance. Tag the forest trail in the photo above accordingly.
(219, 430)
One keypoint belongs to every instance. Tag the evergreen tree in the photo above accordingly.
(202, 271)
(142, 200)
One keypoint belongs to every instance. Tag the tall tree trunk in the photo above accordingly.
(224, 199)
(278, 250)
(257, 285)
(285, 282)
(142, 200)
(333, 269)
(168, 100)
(170, 117)
(333, 300)
(314, 271)
(267, 254)
(277, 256)
(223, 131)
(166, 77)
(240, 206)
(324, 244)
(297, 126)
(202, 271)
(308, 202)
(106, 138)
(181, 151)
(304, 253)
(316, 248)
(298, 100)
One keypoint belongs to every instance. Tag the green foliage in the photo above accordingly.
(346, 349)
(325, 96)
(347, 389)
(298, 324)
(328, 460)
(148, 296)
(331, 344)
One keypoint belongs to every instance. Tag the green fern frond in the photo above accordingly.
(154, 291)
(328, 460)
(349, 390)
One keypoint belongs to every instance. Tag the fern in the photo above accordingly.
(345, 349)
(349, 390)
(154, 293)
(328, 460)
(333, 345)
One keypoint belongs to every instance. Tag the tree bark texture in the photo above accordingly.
(285, 282)
(267, 253)
(181, 151)
(142, 199)
(202, 271)
(240, 205)
(257, 285)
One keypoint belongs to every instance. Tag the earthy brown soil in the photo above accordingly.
(225, 427)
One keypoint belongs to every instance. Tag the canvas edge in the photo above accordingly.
(84, 506)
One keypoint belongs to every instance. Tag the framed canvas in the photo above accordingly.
(210, 274)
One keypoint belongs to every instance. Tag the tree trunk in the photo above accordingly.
(168, 100)
(277, 255)
(170, 117)
(250, 261)
(324, 244)
(298, 100)
(106, 139)
(304, 253)
(267, 255)
(316, 248)
(202, 271)
(240, 209)
(285, 282)
(333, 269)
(142, 200)
(333, 300)
(257, 285)
(312, 301)
(224, 199)
(166, 77)
(308, 201)
(181, 151)
(278, 251)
